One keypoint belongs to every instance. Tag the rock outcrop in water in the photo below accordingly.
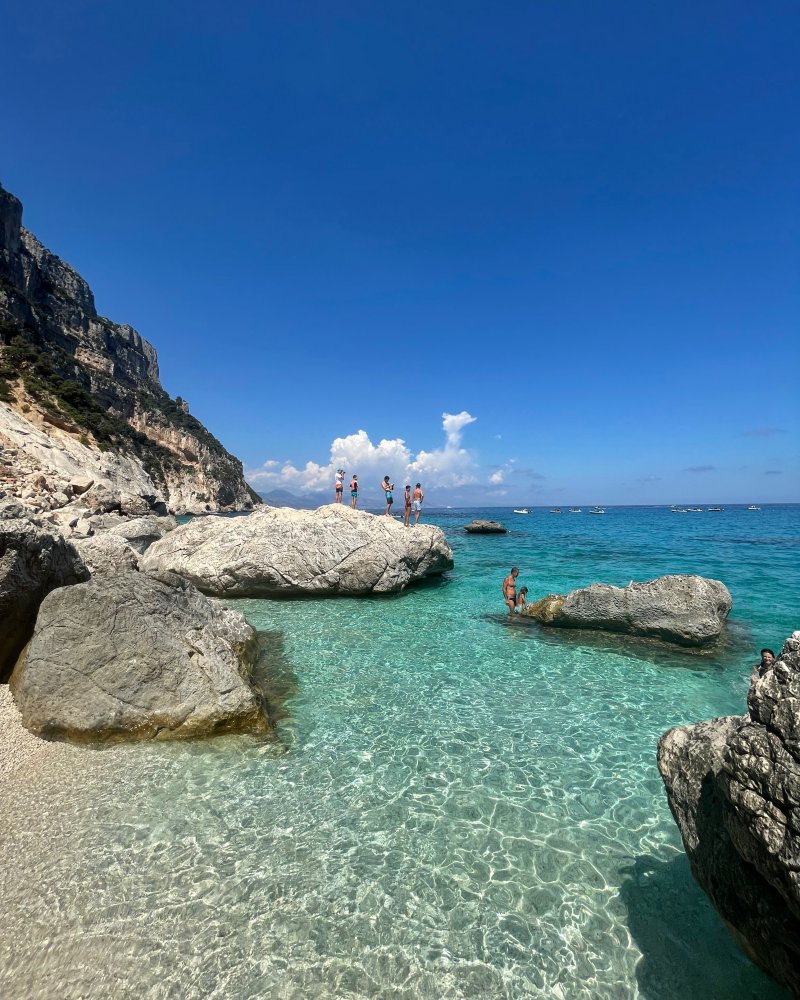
(279, 551)
(686, 610)
(128, 657)
(733, 786)
(80, 397)
(479, 527)
(32, 563)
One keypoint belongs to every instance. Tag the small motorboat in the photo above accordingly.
(753, 507)
(575, 510)
(522, 510)
(597, 510)
(556, 510)
(716, 508)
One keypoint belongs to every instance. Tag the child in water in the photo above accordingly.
(522, 600)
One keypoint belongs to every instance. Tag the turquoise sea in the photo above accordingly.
(459, 806)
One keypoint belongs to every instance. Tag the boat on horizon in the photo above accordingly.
(522, 510)
(555, 510)
(575, 510)
(597, 510)
(716, 508)
(753, 507)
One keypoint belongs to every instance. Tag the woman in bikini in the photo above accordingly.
(407, 507)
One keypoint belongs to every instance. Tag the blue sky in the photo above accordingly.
(528, 252)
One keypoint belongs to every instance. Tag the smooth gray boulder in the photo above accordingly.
(686, 610)
(132, 658)
(107, 554)
(733, 786)
(479, 527)
(140, 532)
(279, 551)
(33, 561)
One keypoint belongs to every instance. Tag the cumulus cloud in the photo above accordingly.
(496, 478)
(447, 466)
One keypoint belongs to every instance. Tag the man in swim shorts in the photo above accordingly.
(387, 488)
(510, 589)
(416, 502)
(354, 492)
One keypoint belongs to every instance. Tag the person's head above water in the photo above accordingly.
(515, 570)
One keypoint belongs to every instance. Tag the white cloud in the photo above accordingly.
(496, 477)
(450, 465)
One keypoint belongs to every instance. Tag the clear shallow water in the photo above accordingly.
(459, 807)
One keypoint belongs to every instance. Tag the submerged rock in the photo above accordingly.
(687, 610)
(33, 562)
(279, 551)
(733, 786)
(132, 658)
(485, 528)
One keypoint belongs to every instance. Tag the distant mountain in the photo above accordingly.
(283, 498)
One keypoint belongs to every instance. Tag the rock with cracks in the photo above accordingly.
(278, 551)
(733, 786)
(33, 561)
(107, 554)
(686, 610)
(132, 658)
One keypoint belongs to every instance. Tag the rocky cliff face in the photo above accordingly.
(90, 389)
(733, 786)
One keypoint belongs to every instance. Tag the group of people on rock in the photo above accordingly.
(516, 601)
(412, 501)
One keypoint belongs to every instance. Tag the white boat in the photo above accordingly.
(556, 510)
(524, 510)
(753, 507)
(597, 510)
(575, 510)
(716, 508)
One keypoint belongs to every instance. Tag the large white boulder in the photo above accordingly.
(279, 551)
(128, 657)
(687, 610)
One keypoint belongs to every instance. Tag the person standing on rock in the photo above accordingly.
(387, 488)
(407, 506)
(354, 492)
(765, 664)
(417, 499)
(339, 485)
(510, 589)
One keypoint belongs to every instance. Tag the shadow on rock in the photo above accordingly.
(734, 642)
(686, 949)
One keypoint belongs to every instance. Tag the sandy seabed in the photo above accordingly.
(21, 753)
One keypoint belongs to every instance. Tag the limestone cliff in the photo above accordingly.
(81, 395)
